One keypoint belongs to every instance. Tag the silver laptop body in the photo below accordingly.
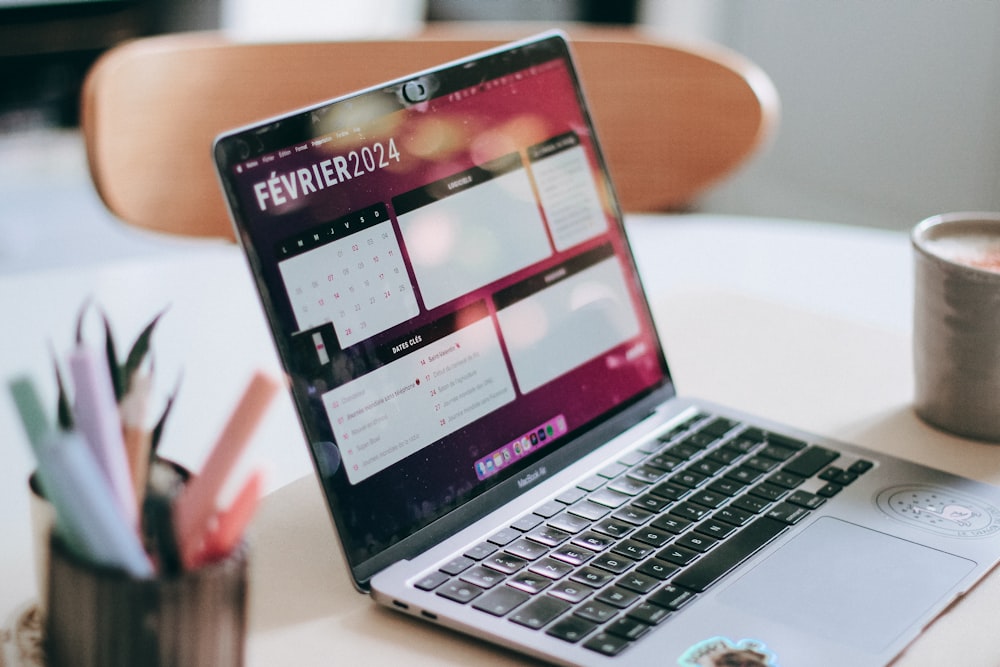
(444, 268)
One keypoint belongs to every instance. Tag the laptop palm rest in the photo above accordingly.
(837, 580)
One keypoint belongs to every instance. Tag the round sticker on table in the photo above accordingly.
(723, 652)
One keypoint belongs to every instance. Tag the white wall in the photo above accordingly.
(890, 108)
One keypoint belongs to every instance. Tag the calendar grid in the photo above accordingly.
(349, 272)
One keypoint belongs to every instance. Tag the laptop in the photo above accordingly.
(446, 275)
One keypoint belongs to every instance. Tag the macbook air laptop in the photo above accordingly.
(447, 278)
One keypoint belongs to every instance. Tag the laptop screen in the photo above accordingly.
(446, 277)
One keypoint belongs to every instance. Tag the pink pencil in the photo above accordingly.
(196, 505)
(231, 524)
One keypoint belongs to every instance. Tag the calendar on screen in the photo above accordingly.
(349, 272)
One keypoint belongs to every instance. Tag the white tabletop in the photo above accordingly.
(800, 322)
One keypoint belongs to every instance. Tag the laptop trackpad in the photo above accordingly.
(837, 580)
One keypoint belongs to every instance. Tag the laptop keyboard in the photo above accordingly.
(607, 560)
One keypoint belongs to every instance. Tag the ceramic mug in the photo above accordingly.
(956, 323)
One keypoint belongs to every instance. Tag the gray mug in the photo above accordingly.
(956, 323)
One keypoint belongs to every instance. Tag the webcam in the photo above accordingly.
(415, 91)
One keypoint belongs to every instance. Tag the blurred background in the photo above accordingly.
(888, 108)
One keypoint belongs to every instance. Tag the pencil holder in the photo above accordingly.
(100, 616)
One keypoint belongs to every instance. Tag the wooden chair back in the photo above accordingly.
(672, 120)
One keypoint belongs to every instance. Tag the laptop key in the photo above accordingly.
(501, 601)
(569, 523)
(710, 499)
(432, 581)
(646, 474)
(651, 503)
(548, 536)
(570, 496)
(639, 581)
(598, 612)
(588, 510)
(612, 470)
(671, 597)
(649, 613)
(607, 644)
(529, 582)
(689, 511)
(631, 458)
(838, 476)
(861, 466)
(768, 491)
(551, 568)
(719, 426)
(527, 549)
(670, 491)
(483, 577)
(762, 464)
(570, 591)
(696, 542)
(571, 628)
(805, 499)
(786, 441)
(657, 568)
(481, 551)
(539, 612)
(726, 487)
(572, 555)
(744, 475)
(627, 628)
(677, 555)
(753, 504)
(717, 563)
(606, 498)
(674, 525)
(811, 461)
(830, 490)
(613, 527)
(592, 577)
(593, 541)
(787, 512)
(460, 591)
(652, 536)
(549, 509)
(618, 597)
(592, 483)
(457, 565)
(526, 522)
(717, 529)
(786, 480)
(504, 536)
(612, 563)
(632, 515)
(733, 515)
(628, 485)
(632, 549)
(663, 462)
(777, 452)
(505, 563)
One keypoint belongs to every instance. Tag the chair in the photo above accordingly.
(672, 119)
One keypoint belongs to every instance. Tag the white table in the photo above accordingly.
(800, 322)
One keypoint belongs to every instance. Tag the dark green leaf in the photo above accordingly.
(113, 368)
(64, 413)
(79, 321)
(140, 348)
